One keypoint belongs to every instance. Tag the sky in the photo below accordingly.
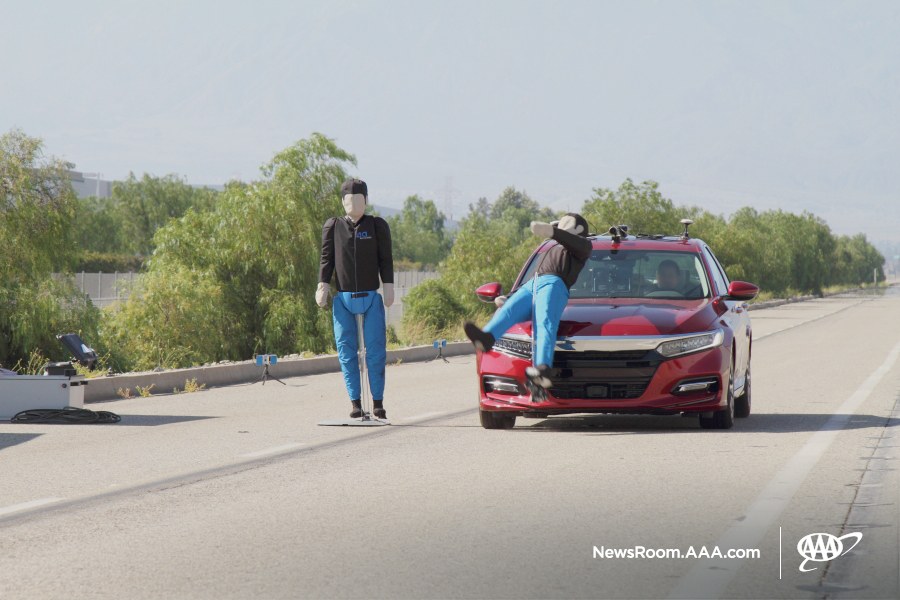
(790, 105)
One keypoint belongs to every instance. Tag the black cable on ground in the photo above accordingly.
(68, 415)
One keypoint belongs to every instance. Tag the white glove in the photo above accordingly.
(500, 300)
(323, 292)
(542, 230)
(387, 291)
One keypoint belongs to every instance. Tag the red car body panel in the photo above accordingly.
(631, 316)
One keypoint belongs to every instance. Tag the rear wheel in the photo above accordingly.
(497, 420)
(742, 402)
(722, 419)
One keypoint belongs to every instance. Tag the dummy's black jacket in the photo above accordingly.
(356, 253)
(566, 258)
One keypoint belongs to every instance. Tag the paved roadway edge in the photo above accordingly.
(41, 508)
(710, 577)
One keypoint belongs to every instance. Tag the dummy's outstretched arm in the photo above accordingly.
(579, 246)
(326, 264)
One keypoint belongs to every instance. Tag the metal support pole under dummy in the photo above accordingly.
(367, 420)
(364, 399)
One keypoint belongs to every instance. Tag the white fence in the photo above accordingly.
(403, 282)
(106, 288)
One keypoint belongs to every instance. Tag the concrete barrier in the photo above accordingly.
(164, 382)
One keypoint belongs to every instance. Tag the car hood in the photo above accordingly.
(631, 316)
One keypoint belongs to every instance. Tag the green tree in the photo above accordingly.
(418, 233)
(753, 249)
(256, 253)
(37, 204)
(116, 233)
(809, 247)
(641, 207)
(142, 206)
(513, 211)
(98, 226)
(492, 244)
(37, 207)
(855, 260)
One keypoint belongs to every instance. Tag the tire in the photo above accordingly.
(722, 419)
(497, 420)
(742, 403)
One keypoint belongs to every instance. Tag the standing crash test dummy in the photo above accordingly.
(356, 249)
(541, 299)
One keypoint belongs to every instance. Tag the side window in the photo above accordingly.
(721, 269)
(716, 271)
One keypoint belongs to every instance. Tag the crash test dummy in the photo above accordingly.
(544, 296)
(356, 250)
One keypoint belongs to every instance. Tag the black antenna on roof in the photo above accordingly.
(687, 223)
(617, 232)
(614, 232)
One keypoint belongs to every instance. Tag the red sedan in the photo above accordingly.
(653, 326)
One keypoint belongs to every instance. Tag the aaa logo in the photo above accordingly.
(822, 547)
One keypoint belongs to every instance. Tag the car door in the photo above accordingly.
(736, 318)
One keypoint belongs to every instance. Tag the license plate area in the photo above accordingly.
(597, 391)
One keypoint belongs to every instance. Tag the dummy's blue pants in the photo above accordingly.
(344, 311)
(550, 296)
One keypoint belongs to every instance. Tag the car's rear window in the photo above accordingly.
(639, 274)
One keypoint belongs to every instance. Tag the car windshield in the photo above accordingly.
(639, 274)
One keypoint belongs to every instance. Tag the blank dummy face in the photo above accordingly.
(568, 223)
(354, 205)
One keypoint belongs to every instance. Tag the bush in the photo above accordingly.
(430, 311)
(34, 313)
(170, 320)
(108, 262)
(481, 255)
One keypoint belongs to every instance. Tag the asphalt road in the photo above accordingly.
(237, 493)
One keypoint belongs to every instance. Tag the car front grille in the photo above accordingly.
(610, 390)
(513, 347)
(603, 375)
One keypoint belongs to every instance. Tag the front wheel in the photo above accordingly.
(722, 419)
(742, 402)
(497, 420)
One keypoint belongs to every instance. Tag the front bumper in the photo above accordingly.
(633, 379)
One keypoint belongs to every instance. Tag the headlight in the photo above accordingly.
(690, 344)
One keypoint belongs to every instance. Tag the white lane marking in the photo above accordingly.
(8, 510)
(422, 417)
(710, 576)
(275, 450)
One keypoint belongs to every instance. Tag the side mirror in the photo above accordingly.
(489, 291)
(741, 290)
